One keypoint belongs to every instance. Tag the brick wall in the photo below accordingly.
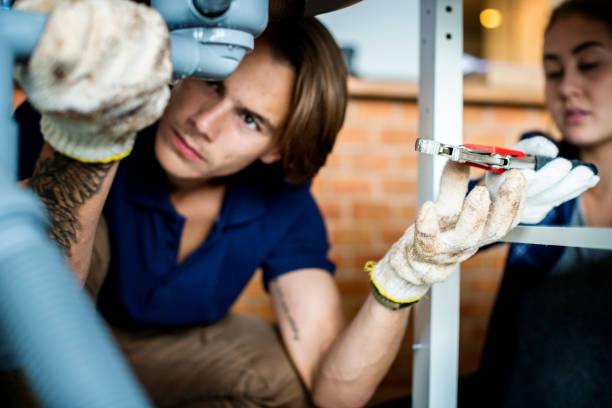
(367, 193)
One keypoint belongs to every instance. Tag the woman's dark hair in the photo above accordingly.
(600, 10)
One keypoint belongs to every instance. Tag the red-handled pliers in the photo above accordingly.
(491, 158)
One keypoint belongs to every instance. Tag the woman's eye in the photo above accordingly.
(554, 74)
(250, 121)
(584, 67)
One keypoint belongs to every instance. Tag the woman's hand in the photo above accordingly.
(558, 181)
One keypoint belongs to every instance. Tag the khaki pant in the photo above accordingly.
(237, 362)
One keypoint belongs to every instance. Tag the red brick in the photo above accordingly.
(403, 137)
(408, 161)
(353, 135)
(330, 210)
(408, 213)
(490, 138)
(362, 257)
(338, 259)
(337, 160)
(319, 184)
(509, 115)
(398, 186)
(351, 186)
(371, 161)
(390, 235)
(377, 211)
(472, 114)
(374, 110)
(349, 236)
(410, 111)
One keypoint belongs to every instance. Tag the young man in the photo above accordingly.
(216, 189)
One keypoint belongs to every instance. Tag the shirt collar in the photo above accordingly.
(248, 192)
(146, 181)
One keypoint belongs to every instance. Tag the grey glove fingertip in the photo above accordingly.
(453, 188)
(493, 181)
(426, 231)
(506, 208)
(471, 222)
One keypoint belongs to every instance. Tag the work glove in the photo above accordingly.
(98, 74)
(558, 181)
(446, 233)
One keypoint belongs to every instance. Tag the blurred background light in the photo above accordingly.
(490, 18)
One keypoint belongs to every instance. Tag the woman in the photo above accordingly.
(549, 338)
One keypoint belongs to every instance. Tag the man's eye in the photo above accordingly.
(214, 85)
(250, 121)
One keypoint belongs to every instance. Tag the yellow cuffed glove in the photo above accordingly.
(98, 75)
(446, 233)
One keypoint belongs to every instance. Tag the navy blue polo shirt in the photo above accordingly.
(263, 222)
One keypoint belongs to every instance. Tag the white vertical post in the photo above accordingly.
(436, 319)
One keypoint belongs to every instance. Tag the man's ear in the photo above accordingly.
(271, 156)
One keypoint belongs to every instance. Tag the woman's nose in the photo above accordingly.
(571, 84)
(210, 121)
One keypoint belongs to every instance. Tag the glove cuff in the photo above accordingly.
(389, 289)
(88, 148)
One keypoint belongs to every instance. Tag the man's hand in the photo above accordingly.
(448, 232)
(555, 183)
(99, 74)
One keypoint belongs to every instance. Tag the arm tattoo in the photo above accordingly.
(64, 185)
(285, 308)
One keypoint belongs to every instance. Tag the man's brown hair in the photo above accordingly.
(319, 96)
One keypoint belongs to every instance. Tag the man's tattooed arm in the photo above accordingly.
(285, 308)
(64, 185)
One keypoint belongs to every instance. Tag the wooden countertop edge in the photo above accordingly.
(472, 93)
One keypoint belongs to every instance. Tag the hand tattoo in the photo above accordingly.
(64, 185)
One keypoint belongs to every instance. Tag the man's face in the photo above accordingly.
(578, 68)
(215, 129)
